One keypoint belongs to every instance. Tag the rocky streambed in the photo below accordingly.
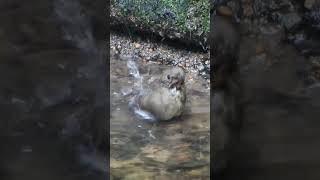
(160, 53)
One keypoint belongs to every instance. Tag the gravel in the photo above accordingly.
(195, 62)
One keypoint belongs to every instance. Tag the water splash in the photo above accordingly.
(138, 90)
(134, 71)
(143, 114)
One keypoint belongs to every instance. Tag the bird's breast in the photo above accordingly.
(165, 103)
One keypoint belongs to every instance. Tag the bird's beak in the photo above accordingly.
(176, 83)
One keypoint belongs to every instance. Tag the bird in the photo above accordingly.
(166, 97)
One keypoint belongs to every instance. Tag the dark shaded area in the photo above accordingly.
(53, 95)
(279, 99)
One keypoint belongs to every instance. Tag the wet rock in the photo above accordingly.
(128, 169)
(187, 165)
(196, 173)
(156, 153)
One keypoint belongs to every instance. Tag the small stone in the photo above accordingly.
(156, 153)
(136, 45)
(195, 173)
(178, 35)
(201, 67)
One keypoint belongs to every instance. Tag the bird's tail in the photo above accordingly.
(134, 106)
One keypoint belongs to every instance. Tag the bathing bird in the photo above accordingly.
(166, 97)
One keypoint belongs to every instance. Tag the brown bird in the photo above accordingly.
(166, 97)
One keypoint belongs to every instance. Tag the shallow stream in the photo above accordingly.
(178, 149)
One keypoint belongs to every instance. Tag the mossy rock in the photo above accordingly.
(186, 20)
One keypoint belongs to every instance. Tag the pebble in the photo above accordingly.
(137, 45)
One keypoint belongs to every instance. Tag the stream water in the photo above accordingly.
(141, 149)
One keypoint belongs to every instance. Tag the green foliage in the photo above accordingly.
(184, 15)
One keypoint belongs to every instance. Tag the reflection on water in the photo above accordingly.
(165, 150)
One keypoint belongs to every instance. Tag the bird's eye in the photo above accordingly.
(168, 76)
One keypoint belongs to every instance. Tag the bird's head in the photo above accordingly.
(174, 77)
